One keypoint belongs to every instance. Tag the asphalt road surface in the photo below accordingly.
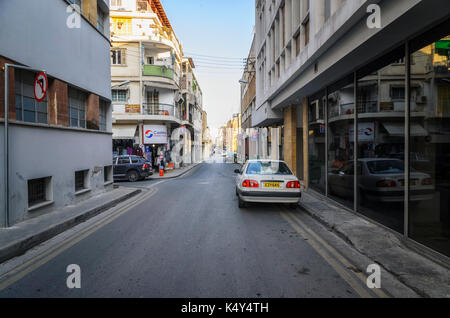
(187, 238)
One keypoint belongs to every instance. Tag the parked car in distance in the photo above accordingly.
(381, 180)
(267, 181)
(131, 168)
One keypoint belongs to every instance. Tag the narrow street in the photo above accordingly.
(186, 237)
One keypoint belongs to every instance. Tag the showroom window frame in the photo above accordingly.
(404, 237)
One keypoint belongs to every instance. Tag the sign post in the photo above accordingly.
(40, 87)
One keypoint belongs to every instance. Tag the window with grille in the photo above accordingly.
(116, 3)
(119, 95)
(103, 111)
(398, 93)
(77, 108)
(27, 108)
(81, 180)
(38, 191)
(118, 57)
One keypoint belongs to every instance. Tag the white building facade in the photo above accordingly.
(367, 82)
(154, 108)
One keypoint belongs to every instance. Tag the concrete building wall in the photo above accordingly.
(39, 152)
(47, 43)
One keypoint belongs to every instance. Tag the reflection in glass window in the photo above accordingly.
(316, 140)
(341, 170)
(429, 206)
(268, 168)
(381, 143)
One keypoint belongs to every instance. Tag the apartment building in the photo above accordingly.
(256, 141)
(157, 101)
(357, 82)
(58, 149)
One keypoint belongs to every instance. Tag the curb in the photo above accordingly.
(181, 174)
(420, 289)
(19, 247)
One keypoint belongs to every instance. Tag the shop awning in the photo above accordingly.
(398, 129)
(160, 85)
(124, 131)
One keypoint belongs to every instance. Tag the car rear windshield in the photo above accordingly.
(386, 167)
(268, 168)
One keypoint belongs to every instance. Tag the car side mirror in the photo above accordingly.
(237, 171)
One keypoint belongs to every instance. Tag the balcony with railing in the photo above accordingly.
(159, 109)
(158, 70)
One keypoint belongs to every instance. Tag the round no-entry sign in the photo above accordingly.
(40, 87)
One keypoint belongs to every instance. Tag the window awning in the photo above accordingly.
(398, 129)
(160, 85)
(124, 131)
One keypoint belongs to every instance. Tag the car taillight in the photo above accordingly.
(250, 184)
(386, 184)
(427, 181)
(293, 185)
(145, 166)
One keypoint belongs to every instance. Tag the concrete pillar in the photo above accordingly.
(58, 103)
(305, 142)
(93, 112)
(290, 137)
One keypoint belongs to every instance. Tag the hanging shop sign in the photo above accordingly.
(155, 134)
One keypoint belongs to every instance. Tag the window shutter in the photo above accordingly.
(124, 56)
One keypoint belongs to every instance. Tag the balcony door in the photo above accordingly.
(153, 102)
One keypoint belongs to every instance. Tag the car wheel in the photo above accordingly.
(132, 176)
(241, 203)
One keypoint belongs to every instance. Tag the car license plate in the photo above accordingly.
(272, 185)
(411, 182)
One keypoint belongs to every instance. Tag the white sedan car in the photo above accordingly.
(267, 181)
(381, 180)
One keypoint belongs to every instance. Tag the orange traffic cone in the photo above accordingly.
(161, 172)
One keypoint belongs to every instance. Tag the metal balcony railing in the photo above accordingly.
(370, 106)
(158, 109)
(157, 70)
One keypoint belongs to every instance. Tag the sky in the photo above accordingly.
(218, 35)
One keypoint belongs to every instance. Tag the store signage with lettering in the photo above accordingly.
(155, 134)
(134, 109)
(366, 132)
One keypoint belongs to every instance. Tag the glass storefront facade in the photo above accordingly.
(379, 140)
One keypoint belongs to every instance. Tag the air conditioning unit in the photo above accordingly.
(422, 99)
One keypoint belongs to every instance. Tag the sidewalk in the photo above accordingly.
(174, 173)
(23, 236)
(419, 273)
